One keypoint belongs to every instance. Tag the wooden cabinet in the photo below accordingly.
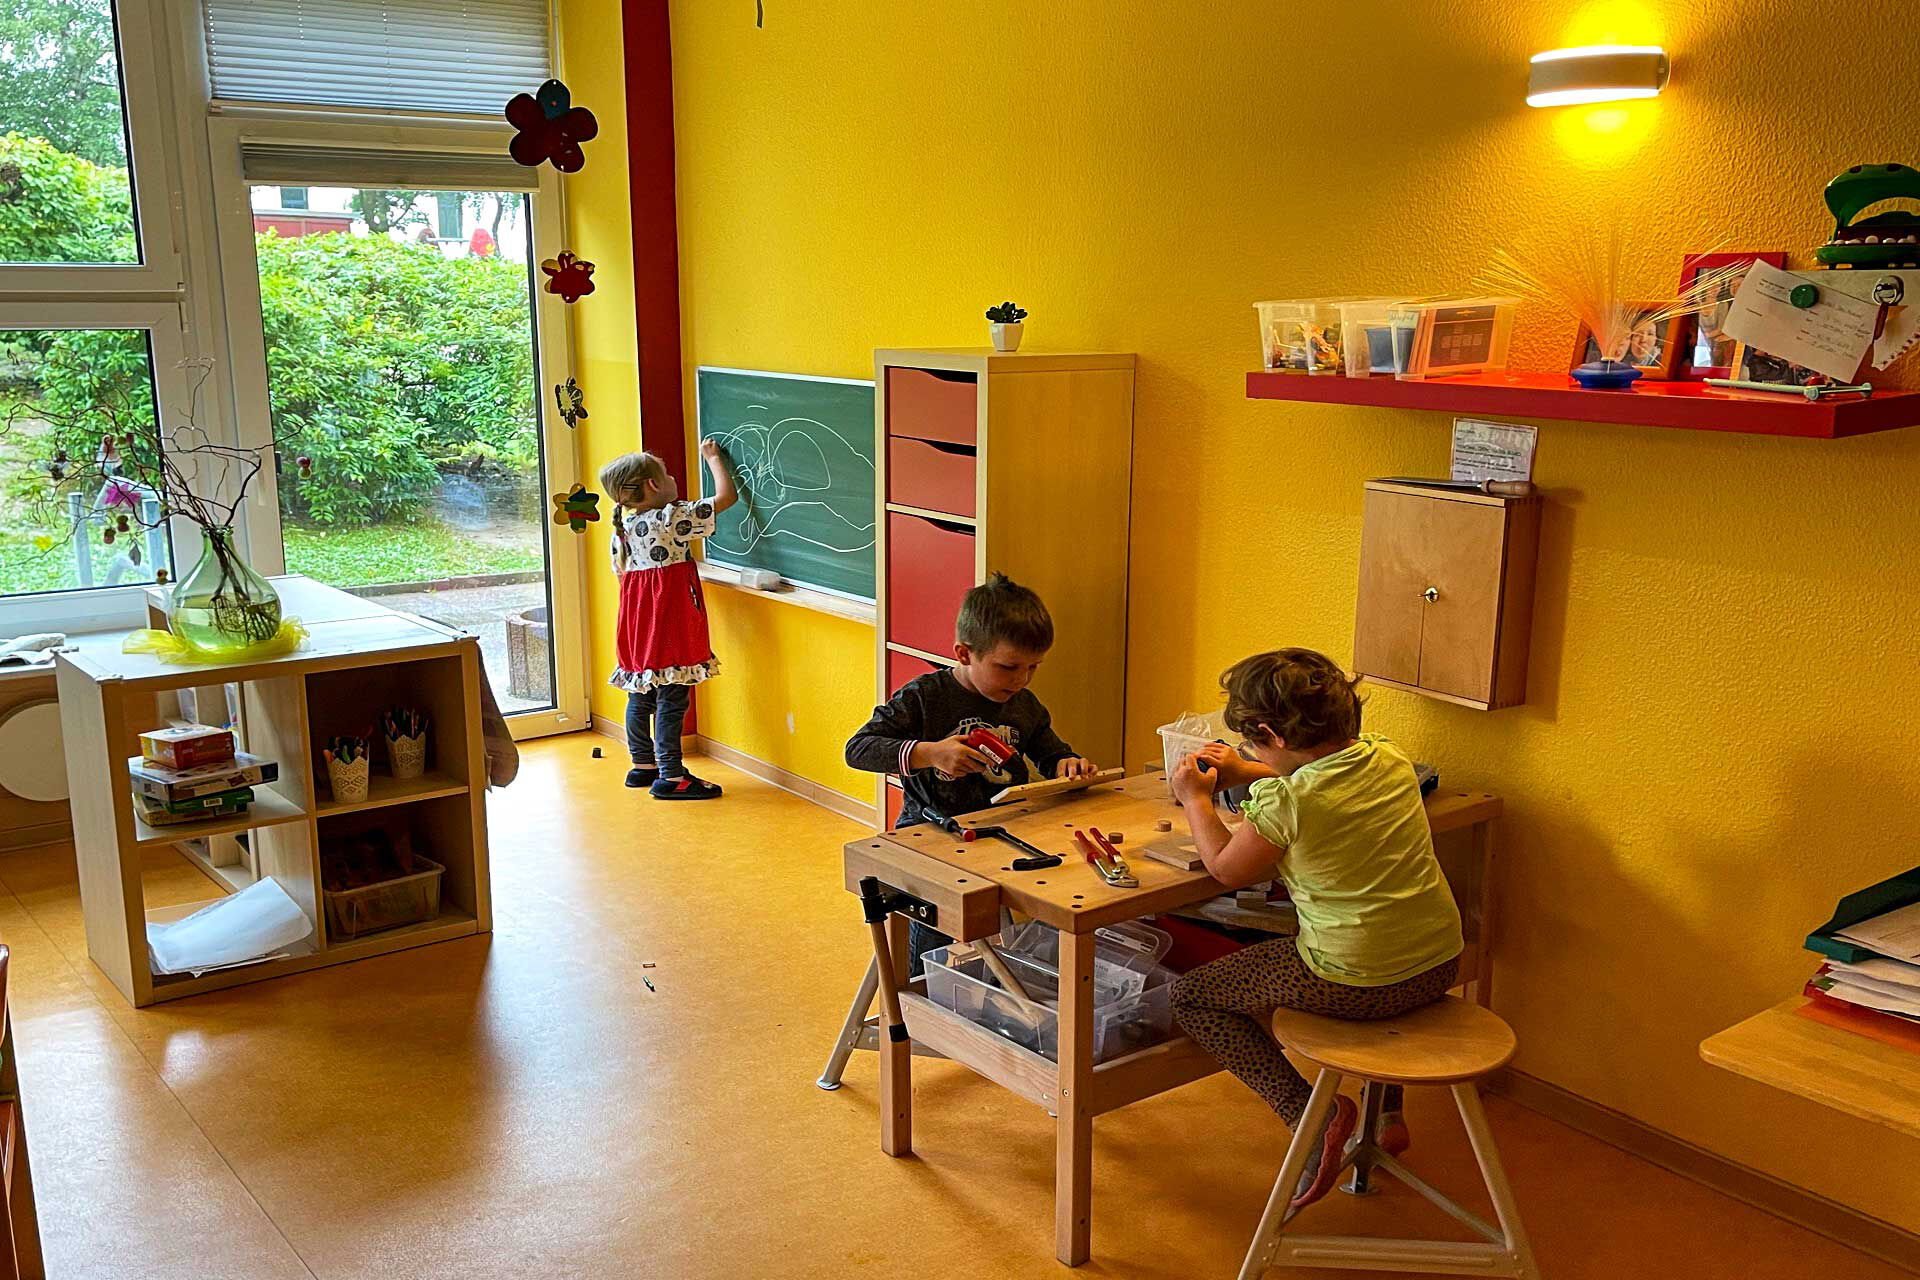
(1020, 463)
(1446, 593)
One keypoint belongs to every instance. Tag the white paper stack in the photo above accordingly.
(254, 924)
(1890, 986)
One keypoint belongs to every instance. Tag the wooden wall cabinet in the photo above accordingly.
(1446, 593)
(1019, 463)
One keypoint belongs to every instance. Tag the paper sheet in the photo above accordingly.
(250, 925)
(1895, 933)
(1493, 450)
(1833, 336)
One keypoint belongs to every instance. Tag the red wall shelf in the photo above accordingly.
(1689, 405)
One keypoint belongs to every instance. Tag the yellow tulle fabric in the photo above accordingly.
(170, 648)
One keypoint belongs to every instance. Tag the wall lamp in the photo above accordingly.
(1596, 73)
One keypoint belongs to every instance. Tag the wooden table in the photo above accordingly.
(967, 884)
(1851, 1073)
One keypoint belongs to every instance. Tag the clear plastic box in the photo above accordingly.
(1445, 337)
(1121, 1023)
(1366, 336)
(1300, 336)
(1130, 948)
(410, 899)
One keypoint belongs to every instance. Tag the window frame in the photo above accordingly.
(227, 131)
(146, 101)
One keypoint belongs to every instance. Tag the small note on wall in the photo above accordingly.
(1493, 450)
(1833, 335)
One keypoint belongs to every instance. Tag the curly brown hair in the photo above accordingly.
(1297, 695)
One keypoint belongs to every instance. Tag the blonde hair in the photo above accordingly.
(628, 473)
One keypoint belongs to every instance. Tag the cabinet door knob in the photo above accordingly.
(1431, 594)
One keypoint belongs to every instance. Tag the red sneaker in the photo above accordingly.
(1323, 1164)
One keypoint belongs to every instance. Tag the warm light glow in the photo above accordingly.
(1596, 51)
(1596, 73)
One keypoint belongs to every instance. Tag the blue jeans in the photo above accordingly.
(665, 706)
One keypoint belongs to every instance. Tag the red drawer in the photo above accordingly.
(930, 474)
(902, 667)
(931, 405)
(929, 567)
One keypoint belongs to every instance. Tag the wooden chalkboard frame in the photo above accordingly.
(862, 437)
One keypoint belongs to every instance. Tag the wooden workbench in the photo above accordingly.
(969, 882)
(1848, 1072)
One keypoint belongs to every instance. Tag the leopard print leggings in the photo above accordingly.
(1225, 1004)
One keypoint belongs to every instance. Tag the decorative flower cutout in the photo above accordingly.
(550, 128)
(576, 508)
(568, 276)
(118, 493)
(573, 403)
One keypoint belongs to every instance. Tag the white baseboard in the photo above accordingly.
(772, 774)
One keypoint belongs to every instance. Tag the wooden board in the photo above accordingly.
(1055, 786)
(1847, 1072)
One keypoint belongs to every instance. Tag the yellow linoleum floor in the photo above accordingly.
(522, 1105)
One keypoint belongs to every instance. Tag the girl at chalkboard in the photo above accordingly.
(662, 643)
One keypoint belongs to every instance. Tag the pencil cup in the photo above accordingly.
(348, 779)
(408, 756)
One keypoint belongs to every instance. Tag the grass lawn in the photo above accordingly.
(421, 552)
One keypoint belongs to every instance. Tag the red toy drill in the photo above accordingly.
(989, 744)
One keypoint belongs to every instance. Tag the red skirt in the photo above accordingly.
(661, 637)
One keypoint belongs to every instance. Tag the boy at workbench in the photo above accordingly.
(1002, 633)
(1338, 817)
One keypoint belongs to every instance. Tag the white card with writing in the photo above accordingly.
(1492, 450)
(1833, 336)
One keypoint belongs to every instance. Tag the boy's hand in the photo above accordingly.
(1224, 761)
(953, 757)
(710, 449)
(1189, 784)
(1074, 767)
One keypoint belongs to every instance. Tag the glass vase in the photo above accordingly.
(223, 607)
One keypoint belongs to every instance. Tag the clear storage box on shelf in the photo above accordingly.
(1444, 337)
(1130, 948)
(1366, 336)
(1121, 1023)
(388, 904)
(1301, 335)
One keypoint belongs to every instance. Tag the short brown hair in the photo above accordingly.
(1301, 697)
(1001, 610)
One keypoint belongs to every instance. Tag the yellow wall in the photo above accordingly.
(1723, 708)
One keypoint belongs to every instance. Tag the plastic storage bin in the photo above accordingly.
(411, 899)
(1189, 733)
(1451, 336)
(1121, 1023)
(1129, 948)
(1301, 336)
(1366, 336)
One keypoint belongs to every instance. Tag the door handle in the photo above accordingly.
(1430, 594)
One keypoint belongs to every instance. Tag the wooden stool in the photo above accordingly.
(1448, 1042)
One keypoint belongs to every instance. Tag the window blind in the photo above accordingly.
(461, 56)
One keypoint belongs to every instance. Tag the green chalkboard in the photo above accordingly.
(802, 451)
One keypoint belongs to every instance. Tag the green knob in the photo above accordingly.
(1804, 295)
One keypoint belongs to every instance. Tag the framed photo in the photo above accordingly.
(1651, 345)
(1706, 352)
(1750, 365)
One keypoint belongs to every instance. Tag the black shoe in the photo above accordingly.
(684, 787)
(639, 777)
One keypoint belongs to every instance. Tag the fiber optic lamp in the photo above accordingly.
(1596, 73)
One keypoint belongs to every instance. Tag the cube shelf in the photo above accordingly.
(353, 669)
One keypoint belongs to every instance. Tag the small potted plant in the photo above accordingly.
(1006, 320)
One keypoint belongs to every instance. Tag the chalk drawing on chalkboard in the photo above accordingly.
(777, 467)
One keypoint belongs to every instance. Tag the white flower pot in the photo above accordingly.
(1006, 337)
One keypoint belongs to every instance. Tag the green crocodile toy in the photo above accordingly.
(1890, 239)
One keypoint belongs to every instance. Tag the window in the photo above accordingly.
(293, 197)
(452, 207)
(66, 193)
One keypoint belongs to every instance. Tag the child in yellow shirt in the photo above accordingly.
(1337, 816)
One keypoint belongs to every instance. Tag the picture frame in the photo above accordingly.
(1656, 347)
(1704, 352)
(1753, 365)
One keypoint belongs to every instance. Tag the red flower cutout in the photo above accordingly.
(550, 128)
(568, 276)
